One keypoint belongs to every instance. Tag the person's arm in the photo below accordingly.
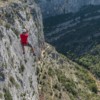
(27, 30)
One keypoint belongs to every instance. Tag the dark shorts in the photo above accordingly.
(28, 44)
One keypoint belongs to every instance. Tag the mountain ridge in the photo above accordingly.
(57, 7)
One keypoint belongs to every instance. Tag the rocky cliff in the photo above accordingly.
(18, 79)
(55, 77)
(57, 7)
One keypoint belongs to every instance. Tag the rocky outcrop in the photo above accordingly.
(57, 7)
(18, 79)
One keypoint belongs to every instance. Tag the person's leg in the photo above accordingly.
(30, 47)
(23, 48)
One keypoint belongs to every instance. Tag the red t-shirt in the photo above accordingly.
(24, 38)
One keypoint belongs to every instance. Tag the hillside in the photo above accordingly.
(78, 34)
(61, 79)
(56, 7)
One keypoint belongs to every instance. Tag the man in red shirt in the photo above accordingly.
(24, 40)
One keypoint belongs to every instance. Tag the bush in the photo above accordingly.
(57, 86)
(62, 78)
(21, 69)
(7, 95)
(7, 26)
(70, 87)
(1, 95)
(51, 72)
(12, 80)
(93, 88)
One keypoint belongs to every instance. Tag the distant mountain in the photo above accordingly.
(77, 35)
(57, 7)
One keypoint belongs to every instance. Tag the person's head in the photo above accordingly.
(24, 31)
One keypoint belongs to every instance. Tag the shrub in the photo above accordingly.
(7, 26)
(2, 77)
(12, 80)
(1, 95)
(15, 31)
(93, 88)
(62, 78)
(69, 87)
(51, 72)
(21, 69)
(7, 95)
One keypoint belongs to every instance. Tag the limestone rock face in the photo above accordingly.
(18, 79)
(56, 7)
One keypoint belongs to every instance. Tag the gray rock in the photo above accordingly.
(17, 74)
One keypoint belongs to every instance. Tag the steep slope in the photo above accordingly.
(18, 79)
(61, 79)
(78, 34)
(57, 7)
(58, 77)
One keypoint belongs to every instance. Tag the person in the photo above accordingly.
(24, 40)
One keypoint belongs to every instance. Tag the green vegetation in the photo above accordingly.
(80, 31)
(93, 88)
(91, 60)
(69, 78)
(50, 23)
(21, 69)
(7, 95)
(70, 87)
(23, 94)
(15, 31)
(75, 39)
(51, 72)
(7, 26)
(2, 76)
(1, 95)
(81, 41)
(12, 80)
